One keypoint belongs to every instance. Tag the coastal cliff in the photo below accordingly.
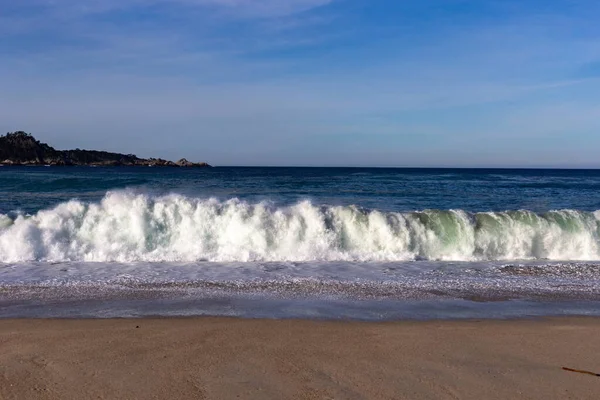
(20, 148)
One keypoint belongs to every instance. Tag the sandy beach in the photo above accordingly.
(222, 358)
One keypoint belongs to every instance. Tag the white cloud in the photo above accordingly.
(245, 8)
(262, 8)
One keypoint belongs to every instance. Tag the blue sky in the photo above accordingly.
(308, 82)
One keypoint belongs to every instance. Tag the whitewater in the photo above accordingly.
(298, 242)
(128, 226)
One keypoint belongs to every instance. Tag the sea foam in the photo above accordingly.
(132, 227)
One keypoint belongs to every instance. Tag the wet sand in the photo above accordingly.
(223, 358)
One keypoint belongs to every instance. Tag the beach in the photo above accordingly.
(226, 358)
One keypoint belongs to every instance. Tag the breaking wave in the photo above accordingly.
(130, 227)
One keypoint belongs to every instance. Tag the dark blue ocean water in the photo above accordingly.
(368, 243)
(389, 189)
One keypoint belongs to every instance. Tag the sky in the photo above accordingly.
(429, 83)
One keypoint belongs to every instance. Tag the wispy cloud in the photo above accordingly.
(248, 8)
(262, 8)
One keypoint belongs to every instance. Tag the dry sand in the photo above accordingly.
(220, 358)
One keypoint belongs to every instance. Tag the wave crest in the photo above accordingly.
(129, 227)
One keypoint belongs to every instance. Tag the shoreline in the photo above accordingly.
(552, 319)
(301, 320)
(224, 357)
(103, 303)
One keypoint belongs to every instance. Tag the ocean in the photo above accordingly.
(358, 243)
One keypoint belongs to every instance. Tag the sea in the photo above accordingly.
(322, 243)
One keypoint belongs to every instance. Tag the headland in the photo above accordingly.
(22, 149)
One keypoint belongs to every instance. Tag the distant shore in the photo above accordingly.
(22, 149)
(105, 165)
(225, 358)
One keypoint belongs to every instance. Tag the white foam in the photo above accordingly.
(127, 227)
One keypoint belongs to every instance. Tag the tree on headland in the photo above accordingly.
(23, 147)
